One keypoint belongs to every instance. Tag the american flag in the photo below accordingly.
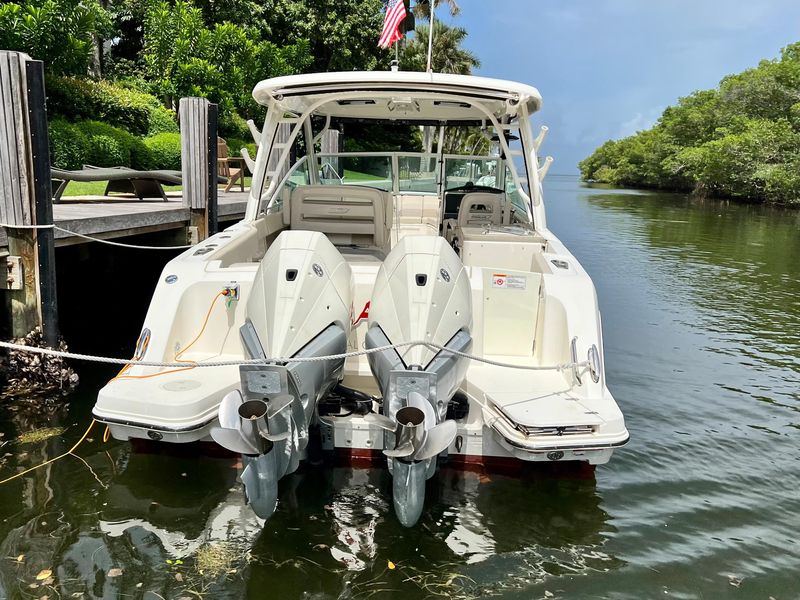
(395, 13)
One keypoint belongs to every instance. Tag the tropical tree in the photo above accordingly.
(422, 8)
(447, 56)
(741, 140)
(183, 57)
(59, 32)
(343, 34)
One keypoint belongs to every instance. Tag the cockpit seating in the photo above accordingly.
(481, 208)
(347, 215)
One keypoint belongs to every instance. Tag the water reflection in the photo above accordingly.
(338, 542)
(700, 310)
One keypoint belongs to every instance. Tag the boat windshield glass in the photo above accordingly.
(464, 159)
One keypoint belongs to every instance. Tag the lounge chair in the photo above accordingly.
(145, 184)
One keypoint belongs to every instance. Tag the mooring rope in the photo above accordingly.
(95, 239)
(7, 226)
(120, 244)
(291, 359)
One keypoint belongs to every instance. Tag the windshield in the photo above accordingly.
(357, 169)
(472, 171)
(457, 160)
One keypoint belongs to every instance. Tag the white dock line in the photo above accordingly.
(269, 361)
(94, 239)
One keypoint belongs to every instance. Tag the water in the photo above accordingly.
(701, 312)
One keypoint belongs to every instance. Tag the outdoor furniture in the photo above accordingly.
(144, 184)
(230, 167)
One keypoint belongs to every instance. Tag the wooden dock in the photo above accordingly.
(31, 234)
(113, 218)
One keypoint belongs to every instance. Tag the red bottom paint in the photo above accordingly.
(499, 465)
(369, 459)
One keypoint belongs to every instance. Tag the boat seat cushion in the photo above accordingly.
(347, 215)
(413, 209)
(478, 208)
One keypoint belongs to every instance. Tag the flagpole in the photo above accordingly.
(430, 37)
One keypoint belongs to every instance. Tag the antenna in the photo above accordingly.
(430, 37)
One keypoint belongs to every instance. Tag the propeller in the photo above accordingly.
(417, 437)
(244, 426)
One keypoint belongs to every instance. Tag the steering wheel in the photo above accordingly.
(471, 187)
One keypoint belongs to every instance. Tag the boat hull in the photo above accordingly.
(121, 429)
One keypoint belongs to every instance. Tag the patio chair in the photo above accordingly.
(231, 167)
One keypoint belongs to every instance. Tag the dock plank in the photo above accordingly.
(120, 218)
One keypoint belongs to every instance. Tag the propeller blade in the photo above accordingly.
(381, 421)
(400, 452)
(229, 410)
(278, 437)
(437, 440)
(260, 479)
(417, 400)
(231, 439)
(279, 403)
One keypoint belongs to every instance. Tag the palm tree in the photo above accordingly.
(448, 55)
(422, 9)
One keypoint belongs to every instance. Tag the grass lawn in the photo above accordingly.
(97, 188)
(358, 176)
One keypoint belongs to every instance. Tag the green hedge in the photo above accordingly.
(137, 112)
(99, 144)
(68, 145)
(231, 124)
(109, 146)
(235, 147)
(164, 151)
(162, 120)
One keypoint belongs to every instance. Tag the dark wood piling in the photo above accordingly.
(27, 238)
(25, 198)
(198, 121)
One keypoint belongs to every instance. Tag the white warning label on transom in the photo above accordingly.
(503, 281)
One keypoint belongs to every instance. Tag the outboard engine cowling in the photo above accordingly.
(299, 307)
(422, 293)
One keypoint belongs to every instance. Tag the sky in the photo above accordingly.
(607, 68)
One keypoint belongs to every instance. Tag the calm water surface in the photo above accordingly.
(701, 313)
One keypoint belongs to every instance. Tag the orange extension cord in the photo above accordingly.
(121, 375)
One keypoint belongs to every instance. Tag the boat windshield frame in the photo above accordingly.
(442, 178)
(281, 129)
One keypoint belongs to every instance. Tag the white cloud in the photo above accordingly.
(639, 122)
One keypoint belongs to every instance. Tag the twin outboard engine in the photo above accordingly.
(299, 307)
(422, 293)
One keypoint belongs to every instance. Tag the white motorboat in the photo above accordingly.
(412, 305)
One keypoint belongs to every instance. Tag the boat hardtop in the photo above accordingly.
(282, 91)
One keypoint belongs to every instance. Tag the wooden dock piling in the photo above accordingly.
(25, 198)
(198, 122)
(27, 237)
